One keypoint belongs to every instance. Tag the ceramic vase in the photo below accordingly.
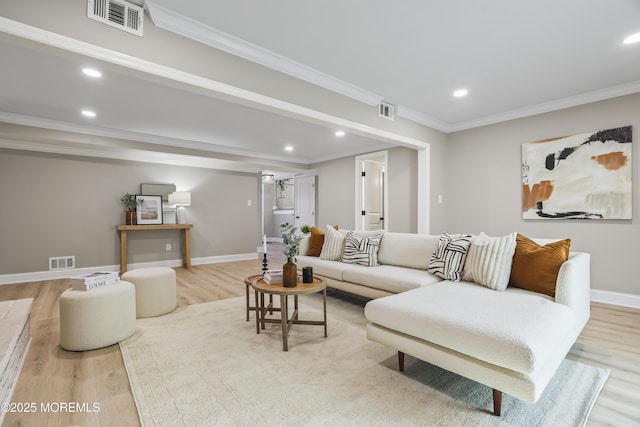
(289, 274)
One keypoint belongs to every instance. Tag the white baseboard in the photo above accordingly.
(615, 298)
(224, 258)
(38, 276)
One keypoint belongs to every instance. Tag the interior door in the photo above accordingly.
(305, 200)
(372, 195)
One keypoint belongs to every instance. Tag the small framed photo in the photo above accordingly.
(149, 210)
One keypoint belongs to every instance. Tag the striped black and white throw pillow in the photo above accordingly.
(449, 255)
(333, 244)
(360, 249)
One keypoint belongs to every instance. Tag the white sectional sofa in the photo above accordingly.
(403, 257)
(512, 341)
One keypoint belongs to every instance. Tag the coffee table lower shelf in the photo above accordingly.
(261, 288)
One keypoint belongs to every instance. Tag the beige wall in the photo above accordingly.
(59, 206)
(484, 188)
(335, 193)
(70, 205)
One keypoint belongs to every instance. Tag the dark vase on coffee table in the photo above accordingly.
(289, 274)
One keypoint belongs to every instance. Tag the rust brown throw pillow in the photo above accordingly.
(315, 242)
(535, 267)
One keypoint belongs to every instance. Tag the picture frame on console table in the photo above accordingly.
(149, 210)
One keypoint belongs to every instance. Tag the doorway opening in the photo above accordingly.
(286, 198)
(371, 192)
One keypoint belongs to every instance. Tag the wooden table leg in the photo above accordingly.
(324, 307)
(284, 316)
(186, 248)
(247, 291)
(258, 312)
(263, 309)
(123, 251)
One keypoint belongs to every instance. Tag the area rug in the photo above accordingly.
(204, 365)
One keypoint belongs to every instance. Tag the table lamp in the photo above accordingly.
(180, 199)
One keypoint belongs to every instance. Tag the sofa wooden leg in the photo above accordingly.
(401, 361)
(497, 402)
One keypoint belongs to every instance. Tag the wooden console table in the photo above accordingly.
(186, 240)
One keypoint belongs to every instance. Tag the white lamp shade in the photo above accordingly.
(180, 198)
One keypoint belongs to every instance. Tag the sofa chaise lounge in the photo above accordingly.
(511, 340)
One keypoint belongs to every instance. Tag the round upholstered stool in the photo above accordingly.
(97, 318)
(155, 290)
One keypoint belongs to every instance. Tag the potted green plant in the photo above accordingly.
(130, 201)
(290, 242)
(305, 229)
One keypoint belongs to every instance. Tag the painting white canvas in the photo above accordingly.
(584, 176)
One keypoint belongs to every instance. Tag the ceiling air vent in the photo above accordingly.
(386, 110)
(117, 13)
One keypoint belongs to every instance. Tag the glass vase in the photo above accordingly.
(130, 217)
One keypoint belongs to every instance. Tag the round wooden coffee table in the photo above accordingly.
(261, 288)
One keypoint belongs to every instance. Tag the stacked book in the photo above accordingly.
(96, 280)
(273, 276)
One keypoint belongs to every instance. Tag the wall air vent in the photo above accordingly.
(117, 13)
(386, 110)
(62, 262)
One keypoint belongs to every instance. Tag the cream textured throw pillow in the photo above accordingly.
(333, 244)
(489, 261)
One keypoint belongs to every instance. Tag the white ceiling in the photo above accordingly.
(515, 58)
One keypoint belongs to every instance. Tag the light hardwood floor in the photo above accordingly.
(52, 375)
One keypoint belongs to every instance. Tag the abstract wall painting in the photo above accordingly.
(584, 176)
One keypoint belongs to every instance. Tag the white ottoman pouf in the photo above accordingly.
(155, 290)
(97, 318)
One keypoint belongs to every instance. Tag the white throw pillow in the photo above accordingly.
(489, 260)
(361, 249)
(449, 255)
(333, 244)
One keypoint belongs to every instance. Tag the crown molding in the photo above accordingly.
(546, 107)
(130, 154)
(142, 137)
(169, 20)
(423, 119)
(93, 149)
(250, 163)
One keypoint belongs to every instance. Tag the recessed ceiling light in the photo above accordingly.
(460, 93)
(340, 133)
(633, 38)
(88, 113)
(289, 147)
(92, 72)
